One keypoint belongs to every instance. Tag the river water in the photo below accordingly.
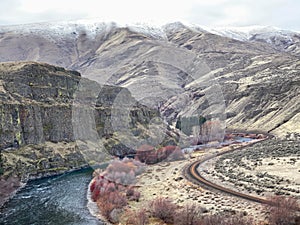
(55, 200)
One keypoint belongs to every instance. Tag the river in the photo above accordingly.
(55, 200)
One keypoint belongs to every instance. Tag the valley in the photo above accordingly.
(88, 94)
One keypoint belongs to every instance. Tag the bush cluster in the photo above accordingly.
(149, 155)
(283, 211)
(112, 188)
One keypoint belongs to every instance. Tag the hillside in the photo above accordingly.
(248, 84)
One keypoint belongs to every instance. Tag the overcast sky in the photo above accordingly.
(214, 13)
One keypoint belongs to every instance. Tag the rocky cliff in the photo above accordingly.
(50, 117)
(182, 71)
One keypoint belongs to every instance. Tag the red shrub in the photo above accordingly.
(135, 197)
(93, 185)
(149, 155)
(130, 192)
(110, 201)
(111, 187)
(116, 198)
(146, 154)
(105, 207)
(95, 194)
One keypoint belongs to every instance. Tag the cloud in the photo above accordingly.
(281, 13)
(23, 11)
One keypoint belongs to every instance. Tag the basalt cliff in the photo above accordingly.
(52, 120)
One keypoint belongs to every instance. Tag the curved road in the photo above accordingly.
(196, 177)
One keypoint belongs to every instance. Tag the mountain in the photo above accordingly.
(281, 40)
(244, 80)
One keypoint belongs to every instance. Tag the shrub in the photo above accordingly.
(132, 194)
(149, 155)
(177, 154)
(136, 217)
(125, 171)
(163, 208)
(93, 185)
(116, 177)
(116, 198)
(239, 220)
(146, 154)
(190, 214)
(107, 186)
(283, 211)
(105, 207)
(136, 196)
(109, 202)
(227, 220)
(95, 194)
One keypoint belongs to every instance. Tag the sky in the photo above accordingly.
(212, 13)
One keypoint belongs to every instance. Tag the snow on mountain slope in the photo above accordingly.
(92, 27)
(279, 39)
(60, 29)
(249, 32)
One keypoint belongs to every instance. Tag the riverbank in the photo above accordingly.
(12, 185)
(9, 187)
(92, 206)
(32, 162)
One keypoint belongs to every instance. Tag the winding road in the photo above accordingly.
(196, 177)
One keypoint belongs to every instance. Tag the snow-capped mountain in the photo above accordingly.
(282, 40)
(246, 33)
(91, 27)
(167, 66)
